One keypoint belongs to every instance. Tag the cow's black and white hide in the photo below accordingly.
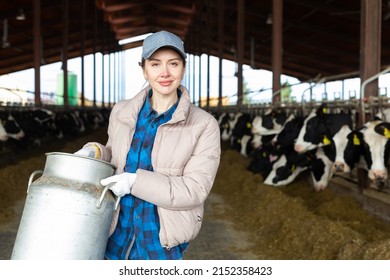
(38, 125)
(242, 136)
(226, 123)
(263, 159)
(349, 149)
(290, 131)
(280, 160)
(319, 128)
(287, 167)
(320, 167)
(69, 124)
(318, 162)
(269, 123)
(11, 134)
(376, 135)
(367, 148)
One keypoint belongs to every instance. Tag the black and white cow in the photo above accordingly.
(368, 146)
(318, 162)
(3, 133)
(269, 123)
(319, 127)
(376, 135)
(321, 167)
(286, 168)
(263, 159)
(272, 146)
(290, 131)
(38, 125)
(349, 149)
(69, 123)
(11, 126)
(226, 123)
(242, 134)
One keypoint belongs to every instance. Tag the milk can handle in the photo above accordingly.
(118, 199)
(32, 178)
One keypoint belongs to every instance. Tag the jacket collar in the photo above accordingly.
(131, 107)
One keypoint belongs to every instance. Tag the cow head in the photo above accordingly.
(349, 146)
(290, 131)
(319, 128)
(314, 132)
(263, 159)
(376, 136)
(321, 169)
(269, 123)
(225, 126)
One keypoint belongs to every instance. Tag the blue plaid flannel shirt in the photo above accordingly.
(136, 235)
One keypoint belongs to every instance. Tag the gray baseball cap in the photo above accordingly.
(162, 39)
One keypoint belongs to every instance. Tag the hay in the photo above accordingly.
(294, 221)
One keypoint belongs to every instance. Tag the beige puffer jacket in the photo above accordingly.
(185, 159)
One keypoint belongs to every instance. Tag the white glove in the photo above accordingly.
(91, 151)
(121, 183)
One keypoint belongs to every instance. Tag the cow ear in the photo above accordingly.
(322, 110)
(383, 129)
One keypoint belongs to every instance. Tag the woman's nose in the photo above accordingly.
(165, 71)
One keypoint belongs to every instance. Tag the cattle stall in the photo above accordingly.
(24, 128)
(373, 194)
(287, 222)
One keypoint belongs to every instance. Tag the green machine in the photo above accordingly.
(72, 88)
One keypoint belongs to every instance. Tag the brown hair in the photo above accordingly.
(142, 63)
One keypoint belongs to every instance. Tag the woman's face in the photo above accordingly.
(164, 71)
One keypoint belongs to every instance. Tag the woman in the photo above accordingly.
(167, 153)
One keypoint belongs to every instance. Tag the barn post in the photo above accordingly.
(82, 52)
(193, 65)
(200, 48)
(65, 7)
(94, 42)
(220, 50)
(240, 50)
(37, 51)
(277, 23)
(370, 45)
(102, 38)
(208, 52)
(370, 54)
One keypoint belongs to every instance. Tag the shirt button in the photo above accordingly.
(137, 217)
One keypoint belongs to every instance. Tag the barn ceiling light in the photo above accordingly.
(4, 42)
(20, 15)
(133, 39)
(269, 19)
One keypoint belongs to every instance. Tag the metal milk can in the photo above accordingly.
(67, 213)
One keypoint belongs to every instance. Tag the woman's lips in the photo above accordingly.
(165, 83)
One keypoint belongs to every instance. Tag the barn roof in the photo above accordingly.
(319, 37)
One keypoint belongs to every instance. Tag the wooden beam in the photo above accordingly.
(277, 47)
(240, 50)
(37, 51)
